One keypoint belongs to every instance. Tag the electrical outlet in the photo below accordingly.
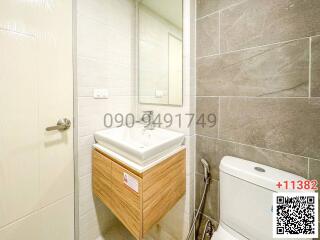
(100, 93)
(159, 93)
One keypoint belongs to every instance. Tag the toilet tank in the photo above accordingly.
(246, 196)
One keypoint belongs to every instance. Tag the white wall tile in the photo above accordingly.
(87, 200)
(174, 225)
(95, 223)
(106, 60)
(105, 45)
(84, 155)
(117, 232)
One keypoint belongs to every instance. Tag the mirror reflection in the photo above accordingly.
(160, 52)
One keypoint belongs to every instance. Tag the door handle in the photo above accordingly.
(62, 125)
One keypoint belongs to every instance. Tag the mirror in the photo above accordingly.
(160, 52)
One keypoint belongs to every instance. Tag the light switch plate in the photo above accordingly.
(100, 93)
(159, 93)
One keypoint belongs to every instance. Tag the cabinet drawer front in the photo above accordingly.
(101, 177)
(163, 186)
(128, 202)
(102, 164)
(139, 200)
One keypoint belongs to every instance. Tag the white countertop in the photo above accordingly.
(136, 167)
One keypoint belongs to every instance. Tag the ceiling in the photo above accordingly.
(171, 10)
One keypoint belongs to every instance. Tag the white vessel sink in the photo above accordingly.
(138, 144)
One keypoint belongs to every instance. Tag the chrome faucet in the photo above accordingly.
(149, 125)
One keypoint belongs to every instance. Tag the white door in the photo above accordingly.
(36, 89)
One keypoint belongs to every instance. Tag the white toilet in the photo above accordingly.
(246, 199)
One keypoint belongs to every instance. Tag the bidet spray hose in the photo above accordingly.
(207, 182)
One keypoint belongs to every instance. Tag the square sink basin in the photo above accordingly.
(138, 144)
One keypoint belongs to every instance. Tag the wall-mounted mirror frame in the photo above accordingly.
(159, 72)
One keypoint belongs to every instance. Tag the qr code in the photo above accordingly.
(295, 215)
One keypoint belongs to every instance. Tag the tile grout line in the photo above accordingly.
(84, 176)
(219, 27)
(255, 47)
(211, 180)
(203, 17)
(220, 10)
(219, 116)
(211, 218)
(308, 168)
(102, 59)
(310, 64)
(98, 205)
(106, 99)
(306, 97)
(195, 110)
(247, 145)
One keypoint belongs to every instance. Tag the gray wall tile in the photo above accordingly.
(261, 74)
(208, 35)
(284, 124)
(277, 70)
(315, 67)
(214, 150)
(211, 207)
(201, 225)
(287, 162)
(206, 106)
(207, 148)
(205, 7)
(314, 174)
(314, 169)
(259, 22)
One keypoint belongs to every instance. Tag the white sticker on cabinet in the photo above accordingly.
(131, 182)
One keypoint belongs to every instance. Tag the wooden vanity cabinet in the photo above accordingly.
(139, 200)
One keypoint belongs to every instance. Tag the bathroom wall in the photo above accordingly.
(175, 224)
(105, 58)
(258, 71)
